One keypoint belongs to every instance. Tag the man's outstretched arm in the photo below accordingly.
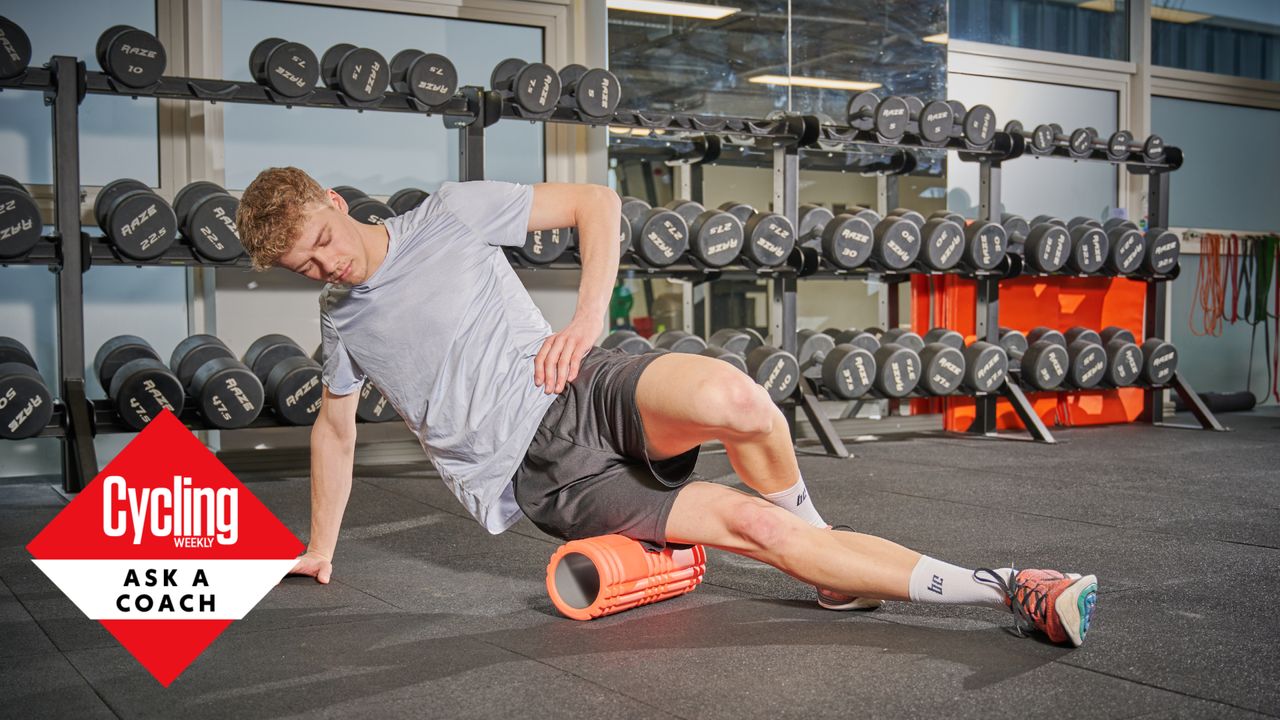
(596, 212)
(333, 451)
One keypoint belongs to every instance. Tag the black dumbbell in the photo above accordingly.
(1159, 253)
(897, 238)
(1127, 247)
(679, 341)
(896, 366)
(15, 49)
(777, 371)
(1038, 142)
(1042, 365)
(769, 237)
(846, 371)
(985, 246)
(1080, 143)
(594, 92)
(951, 215)
(227, 393)
(887, 118)
(407, 200)
(26, 405)
(290, 378)
(137, 221)
(1086, 359)
(986, 366)
(137, 382)
(975, 126)
(1159, 362)
(845, 241)
(373, 406)
(1124, 357)
(944, 362)
(716, 237)
(543, 247)
(534, 87)
(628, 341)
(1121, 145)
(364, 208)
(429, 78)
(1090, 246)
(132, 57)
(207, 217)
(287, 68)
(739, 341)
(942, 243)
(361, 74)
(931, 121)
(659, 237)
(1046, 246)
(20, 223)
(1163, 248)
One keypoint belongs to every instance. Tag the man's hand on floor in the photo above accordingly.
(314, 565)
(557, 362)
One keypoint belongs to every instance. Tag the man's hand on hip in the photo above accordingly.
(561, 355)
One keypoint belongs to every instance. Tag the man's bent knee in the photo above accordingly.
(739, 406)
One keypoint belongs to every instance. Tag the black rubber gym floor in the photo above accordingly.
(429, 616)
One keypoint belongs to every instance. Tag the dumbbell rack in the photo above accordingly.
(65, 81)
(1157, 291)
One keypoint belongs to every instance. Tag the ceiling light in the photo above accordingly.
(701, 11)
(940, 38)
(1181, 17)
(824, 83)
(1166, 14)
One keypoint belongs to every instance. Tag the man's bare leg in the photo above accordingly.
(686, 400)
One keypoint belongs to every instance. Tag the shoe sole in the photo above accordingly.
(855, 604)
(1075, 608)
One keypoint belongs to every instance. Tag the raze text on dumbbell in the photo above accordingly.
(150, 387)
(770, 247)
(192, 516)
(988, 367)
(771, 381)
(23, 225)
(238, 394)
(722, 247)
(138, 52)
(290, 77)
(8, 397)
(301, 392)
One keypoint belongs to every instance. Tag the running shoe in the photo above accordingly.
(1058, 605)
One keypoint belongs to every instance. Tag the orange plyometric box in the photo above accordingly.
(600, 576)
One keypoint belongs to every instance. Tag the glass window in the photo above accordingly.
(1225, 183)
(376, 152)
(1240, 37)
(117, 134)
(666, 62)
(1097, 28)
(1032, 186)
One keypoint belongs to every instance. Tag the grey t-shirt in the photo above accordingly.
(448, 333)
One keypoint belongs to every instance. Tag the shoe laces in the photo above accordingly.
(1028, 600)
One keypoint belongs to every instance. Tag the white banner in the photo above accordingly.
(165, 589)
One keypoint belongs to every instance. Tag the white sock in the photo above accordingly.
(933, 581)
(796, 501)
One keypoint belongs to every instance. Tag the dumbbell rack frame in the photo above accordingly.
(1157, 292)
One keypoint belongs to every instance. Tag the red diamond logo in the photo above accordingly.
(165, 548)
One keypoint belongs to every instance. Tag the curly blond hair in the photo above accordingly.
(272, 212)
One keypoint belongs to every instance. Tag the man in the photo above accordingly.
(519, 419)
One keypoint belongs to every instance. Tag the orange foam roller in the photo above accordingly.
(600, 576)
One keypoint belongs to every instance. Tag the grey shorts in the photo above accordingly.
(587, 471)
